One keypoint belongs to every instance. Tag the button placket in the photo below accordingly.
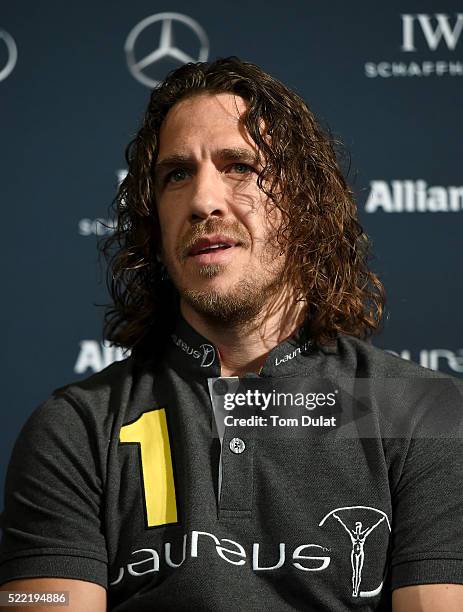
(236, 476)
(237, 473)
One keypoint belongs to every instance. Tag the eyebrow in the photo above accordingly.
(239, 154)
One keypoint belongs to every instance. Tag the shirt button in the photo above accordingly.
(237, 445)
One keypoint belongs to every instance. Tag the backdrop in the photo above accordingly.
(74, 81)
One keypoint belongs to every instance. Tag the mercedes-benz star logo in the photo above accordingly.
(167, 47)
(12, 52)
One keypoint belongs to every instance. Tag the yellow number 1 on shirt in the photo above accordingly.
(150, 431)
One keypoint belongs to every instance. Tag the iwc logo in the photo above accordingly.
(163, 31)
(429, 41)
(434, 29)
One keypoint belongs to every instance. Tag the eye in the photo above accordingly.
(242, 168)
(175, 176)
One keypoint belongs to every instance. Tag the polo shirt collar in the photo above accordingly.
(191, 353)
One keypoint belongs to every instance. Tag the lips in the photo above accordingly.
(212, 244)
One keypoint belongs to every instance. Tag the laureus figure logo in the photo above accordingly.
(358, 533)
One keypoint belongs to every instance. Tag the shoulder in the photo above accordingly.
(96, 402)
(369, 361)
(75, 425)
(99, 386)
(398, 382)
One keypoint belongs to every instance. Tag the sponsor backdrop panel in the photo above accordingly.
(74, 81)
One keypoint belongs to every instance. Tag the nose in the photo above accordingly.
(208, 196)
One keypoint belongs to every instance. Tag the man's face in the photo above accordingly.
(215, 221)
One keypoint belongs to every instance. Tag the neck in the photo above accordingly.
(243, 347)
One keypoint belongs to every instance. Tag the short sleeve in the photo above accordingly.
(52, 518)
(427, 525)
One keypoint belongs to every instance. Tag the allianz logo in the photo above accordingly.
(403, 196)
(435, 359)
(95, 356)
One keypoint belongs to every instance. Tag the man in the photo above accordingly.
(239, 254)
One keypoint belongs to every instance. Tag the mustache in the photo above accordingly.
(231, 230)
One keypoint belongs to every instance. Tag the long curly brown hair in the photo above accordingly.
(328, 251)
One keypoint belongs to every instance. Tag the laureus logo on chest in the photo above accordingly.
(352, 529)
(205, 353)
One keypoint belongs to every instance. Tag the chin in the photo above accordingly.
(226, 306)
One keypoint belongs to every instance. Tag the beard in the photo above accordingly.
(243, 301)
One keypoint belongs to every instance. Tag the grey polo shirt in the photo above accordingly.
(130, 480)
